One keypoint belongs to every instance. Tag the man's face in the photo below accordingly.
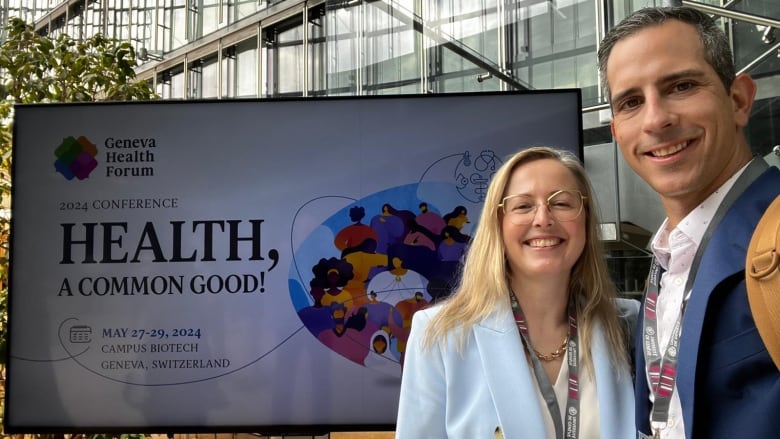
(676, 124)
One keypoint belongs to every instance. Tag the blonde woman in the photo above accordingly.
(532, 344)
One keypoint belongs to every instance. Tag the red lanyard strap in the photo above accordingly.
(661, 369)
(548, 393)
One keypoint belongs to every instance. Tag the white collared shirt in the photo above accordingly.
(589, 419)
(675, 250)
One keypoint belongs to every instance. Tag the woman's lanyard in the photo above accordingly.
(662, 369)
(548, 393)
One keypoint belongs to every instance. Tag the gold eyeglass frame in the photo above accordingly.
(583, 199)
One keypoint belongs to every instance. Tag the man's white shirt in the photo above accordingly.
(675, 250)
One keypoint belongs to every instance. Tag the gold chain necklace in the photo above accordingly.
(554, 354)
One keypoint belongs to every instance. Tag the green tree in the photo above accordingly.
(35, 68)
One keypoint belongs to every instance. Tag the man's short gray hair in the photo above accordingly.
(717, 51)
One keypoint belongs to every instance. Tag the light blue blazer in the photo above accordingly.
(447, 394)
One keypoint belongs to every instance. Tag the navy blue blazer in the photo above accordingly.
(728, 385)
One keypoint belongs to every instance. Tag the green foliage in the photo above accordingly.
(36, 68)
(39, 69)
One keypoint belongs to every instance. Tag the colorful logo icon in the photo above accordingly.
(75, 158)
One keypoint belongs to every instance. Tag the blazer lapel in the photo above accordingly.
(509, 377)
(614, 391)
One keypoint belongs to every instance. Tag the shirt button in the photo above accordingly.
(678, 281)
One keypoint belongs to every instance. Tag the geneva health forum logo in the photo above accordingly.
(76, 158)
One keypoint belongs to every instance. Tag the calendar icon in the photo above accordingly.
(80, 334)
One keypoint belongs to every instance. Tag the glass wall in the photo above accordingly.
(371, 48)
(286, 66)
(358, 47)
(441, 46)
(754, 40)
(241, 70)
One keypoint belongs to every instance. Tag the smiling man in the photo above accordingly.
(679, 111)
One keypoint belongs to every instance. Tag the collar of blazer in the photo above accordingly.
(509, 377)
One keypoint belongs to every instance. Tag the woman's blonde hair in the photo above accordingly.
(484, 282)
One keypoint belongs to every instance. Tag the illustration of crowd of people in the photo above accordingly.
(396, 264)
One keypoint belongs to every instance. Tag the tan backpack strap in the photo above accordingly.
(762, 268)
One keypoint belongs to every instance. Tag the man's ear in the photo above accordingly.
(743, 93)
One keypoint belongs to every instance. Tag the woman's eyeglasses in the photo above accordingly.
(563, 205)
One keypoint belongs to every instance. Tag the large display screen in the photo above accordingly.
(245, 265)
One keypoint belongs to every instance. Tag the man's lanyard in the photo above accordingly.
(662, 369)
(548, 393)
